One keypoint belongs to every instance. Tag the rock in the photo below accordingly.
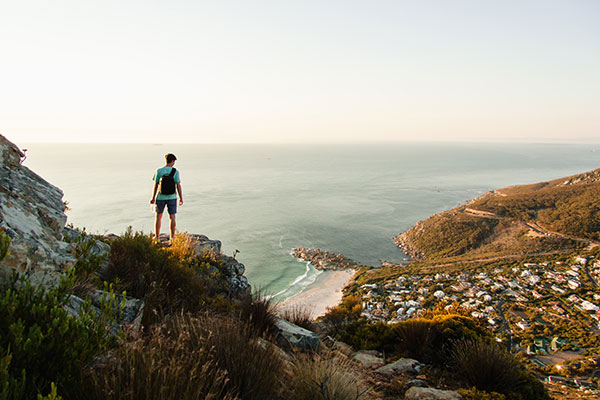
(202, 244)
(239, 286)
(32, 213)
(367, 359)
(343, 348)
(131, 316)
(293, 336)
(421, 393)
(417, 383)
(99, 248)
(400, 366)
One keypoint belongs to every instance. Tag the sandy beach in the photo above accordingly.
(327, 292)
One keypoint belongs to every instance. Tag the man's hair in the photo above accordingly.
(170, 158)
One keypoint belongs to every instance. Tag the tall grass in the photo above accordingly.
(203, 357)
(325, 379)
(298, 315)
(258, 311)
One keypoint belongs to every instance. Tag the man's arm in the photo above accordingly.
(154, 192)
(180, 193)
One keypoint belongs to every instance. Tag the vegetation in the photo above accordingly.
(421, 338)
(299, 315)
(494, 225)
(318, 378)
(488, 367)
(191, 357)
(40, 343)
(168, 281)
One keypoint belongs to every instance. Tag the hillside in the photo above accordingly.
(556, 216)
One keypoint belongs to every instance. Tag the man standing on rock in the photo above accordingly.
(166, 180)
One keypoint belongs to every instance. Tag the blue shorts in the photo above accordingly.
(171, 206)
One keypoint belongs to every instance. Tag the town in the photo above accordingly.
(546, 312)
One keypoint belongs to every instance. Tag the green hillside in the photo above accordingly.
(559, 215)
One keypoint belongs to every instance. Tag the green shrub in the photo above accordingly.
(166, 283)
(40, 342)
(346, 312)
(488, 367)
(191, 358)
(325, 379)
(474, 394)
(424, 339)
(4, 245)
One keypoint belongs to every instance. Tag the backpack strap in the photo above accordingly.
(172, 174)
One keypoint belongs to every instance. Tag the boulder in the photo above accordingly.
(131, 315)
(400, 366)
(417, 383)
(368, 358)
(421, 393)
(202, 244)
(293, 336)
(32, 213)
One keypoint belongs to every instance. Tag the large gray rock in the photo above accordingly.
(293, 336)
(421, 393)
(32, 213)
(202, 244)
(368, 358)
(131, 315)
(400, 366)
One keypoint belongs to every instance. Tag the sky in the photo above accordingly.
(340, 71)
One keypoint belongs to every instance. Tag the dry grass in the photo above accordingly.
(325, 379)
(298, 315)
(204, 357)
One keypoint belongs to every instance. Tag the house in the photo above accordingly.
(557, 343)
(573, 284)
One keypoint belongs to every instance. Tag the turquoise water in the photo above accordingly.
(265, 200)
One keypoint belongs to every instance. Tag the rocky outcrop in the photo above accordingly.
(130, 315)
(32, 213)
(292, 336)
(325, 260)
(421, 393)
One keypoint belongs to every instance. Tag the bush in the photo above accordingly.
(258, 312)
(424, 339)
(488, 367)
(325, 379)
(346, 312)
(4, 245)
(474, 394)
(165, 282)
(40, 343)
(191, 358)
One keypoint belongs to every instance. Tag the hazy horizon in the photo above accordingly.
(300, 71)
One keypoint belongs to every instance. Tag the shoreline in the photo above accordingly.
(324, 293)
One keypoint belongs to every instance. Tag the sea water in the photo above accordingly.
(265, 200)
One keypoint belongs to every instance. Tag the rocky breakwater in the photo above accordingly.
(325, 260)
(32, 213)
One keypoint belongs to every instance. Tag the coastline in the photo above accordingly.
(325, 292)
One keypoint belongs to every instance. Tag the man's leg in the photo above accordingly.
(173, 224)
(157, 223)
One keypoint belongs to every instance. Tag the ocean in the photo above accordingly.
(265, 200)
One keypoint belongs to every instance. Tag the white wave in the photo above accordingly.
(301, 282)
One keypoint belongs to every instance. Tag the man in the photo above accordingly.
(166, 180)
